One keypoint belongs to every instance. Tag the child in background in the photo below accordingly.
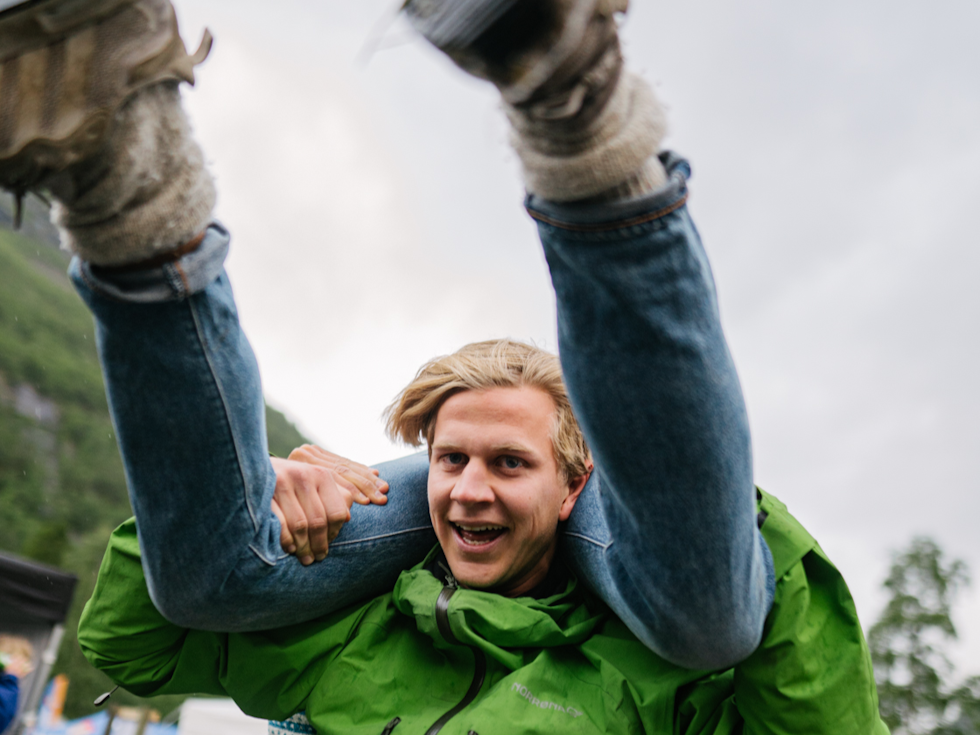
(16, 662)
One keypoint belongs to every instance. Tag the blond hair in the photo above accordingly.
(501, 363)
(15, 645)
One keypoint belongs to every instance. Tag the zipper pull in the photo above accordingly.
(101, 699)
(391, 726)
(448, 578)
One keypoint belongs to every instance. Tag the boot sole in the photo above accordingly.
(59, 94)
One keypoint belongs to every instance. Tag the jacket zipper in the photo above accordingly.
(480, 669)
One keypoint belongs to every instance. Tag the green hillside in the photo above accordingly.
(62, 488)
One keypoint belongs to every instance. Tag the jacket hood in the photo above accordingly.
(505, 629)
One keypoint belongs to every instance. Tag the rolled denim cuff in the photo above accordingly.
(190, 274)
(607, 215)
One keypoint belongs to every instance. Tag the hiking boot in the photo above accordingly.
(537, 52)
(67, 67)
(581, 126)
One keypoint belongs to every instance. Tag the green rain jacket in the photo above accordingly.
(456, 661)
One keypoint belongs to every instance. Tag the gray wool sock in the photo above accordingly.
(611, 154)
(145, 193)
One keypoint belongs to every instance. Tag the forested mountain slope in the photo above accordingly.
(62, 488)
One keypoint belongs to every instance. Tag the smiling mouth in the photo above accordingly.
(473, 535)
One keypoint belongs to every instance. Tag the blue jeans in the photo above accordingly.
(664, 532)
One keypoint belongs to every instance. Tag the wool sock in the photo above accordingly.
(146, 192)
(597, 141)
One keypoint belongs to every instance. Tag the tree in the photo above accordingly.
(907, 643)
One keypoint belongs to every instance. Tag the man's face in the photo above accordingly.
(495, 491)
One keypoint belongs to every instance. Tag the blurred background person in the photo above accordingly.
(16, 662)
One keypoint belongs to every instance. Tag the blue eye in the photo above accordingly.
(455, 458)
(512, 463)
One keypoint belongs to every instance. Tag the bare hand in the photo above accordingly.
(308, 486)
(364, 484)
(312, 504)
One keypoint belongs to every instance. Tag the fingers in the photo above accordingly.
(292, 516)
(367, 486)
(364, 489)
(336, 503)
(315, 525)
(312, 504)
(286, 539)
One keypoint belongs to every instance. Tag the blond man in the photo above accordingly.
(726, 627)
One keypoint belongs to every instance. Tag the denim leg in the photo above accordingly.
(186, 400)
(654, 387)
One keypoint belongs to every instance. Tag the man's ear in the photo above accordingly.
(575, 488)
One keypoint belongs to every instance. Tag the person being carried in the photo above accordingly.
(719, 626)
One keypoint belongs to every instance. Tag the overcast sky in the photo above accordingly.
(377, 221)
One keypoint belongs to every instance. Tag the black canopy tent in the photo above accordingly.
(34, 602)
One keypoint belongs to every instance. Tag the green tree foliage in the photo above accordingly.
(907, 647)
(283, 436)
(62, 488)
